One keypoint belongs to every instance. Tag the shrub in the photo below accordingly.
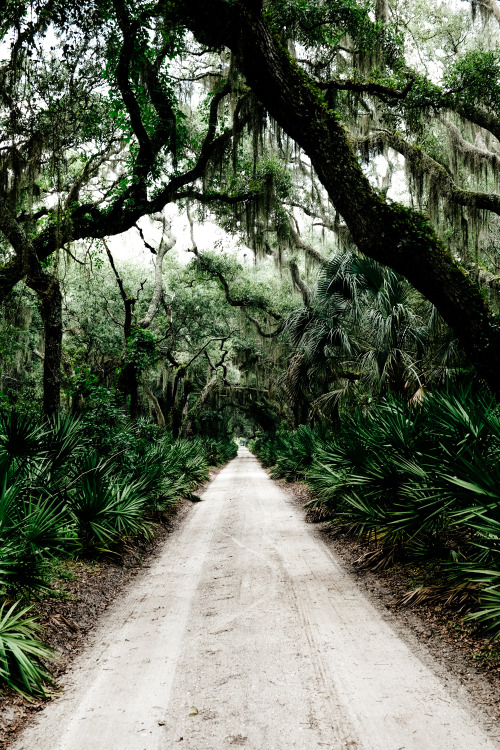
(420, 481)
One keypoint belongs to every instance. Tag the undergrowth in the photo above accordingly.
(69, 490)
(416, 483)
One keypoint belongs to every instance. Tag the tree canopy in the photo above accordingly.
(376, 126)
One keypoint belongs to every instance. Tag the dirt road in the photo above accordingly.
(246, 632)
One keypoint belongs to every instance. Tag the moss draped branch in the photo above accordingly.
(420, 161)
(90, 221)
(389, 233)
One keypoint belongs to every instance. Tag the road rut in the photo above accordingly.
(246, 631)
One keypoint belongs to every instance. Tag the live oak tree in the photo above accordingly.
(200, 364)
(303, 100)
(93, 137)
(103, 121)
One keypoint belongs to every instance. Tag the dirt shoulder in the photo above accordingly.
(455, 646)
(83, 590)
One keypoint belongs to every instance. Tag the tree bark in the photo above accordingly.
(129, 376)
(160, 419)
(48, 290)
(178, 409)
(167, 243)
(187, 423)
(52, 325)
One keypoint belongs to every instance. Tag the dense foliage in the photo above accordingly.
(113, 111)
(76, 487)
(417, 482)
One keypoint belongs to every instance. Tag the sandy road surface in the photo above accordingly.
(246, 632)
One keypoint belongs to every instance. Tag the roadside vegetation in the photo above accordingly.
(416, 483)
(70, 488)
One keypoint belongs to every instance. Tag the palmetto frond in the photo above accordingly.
(417, 481)
(363, 318)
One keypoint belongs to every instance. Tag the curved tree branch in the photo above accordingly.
(388, 232)
(438, 173)
(264, 334)
(468, 149)
(167, 243)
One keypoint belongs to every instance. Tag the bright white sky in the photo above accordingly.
(208, 236)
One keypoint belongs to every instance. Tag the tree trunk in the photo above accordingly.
(187, 424)
(49, 295)
(129, 375)
(160, 419)
(47, 288)
(52, 323)
(129, 384)
(178, 409)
